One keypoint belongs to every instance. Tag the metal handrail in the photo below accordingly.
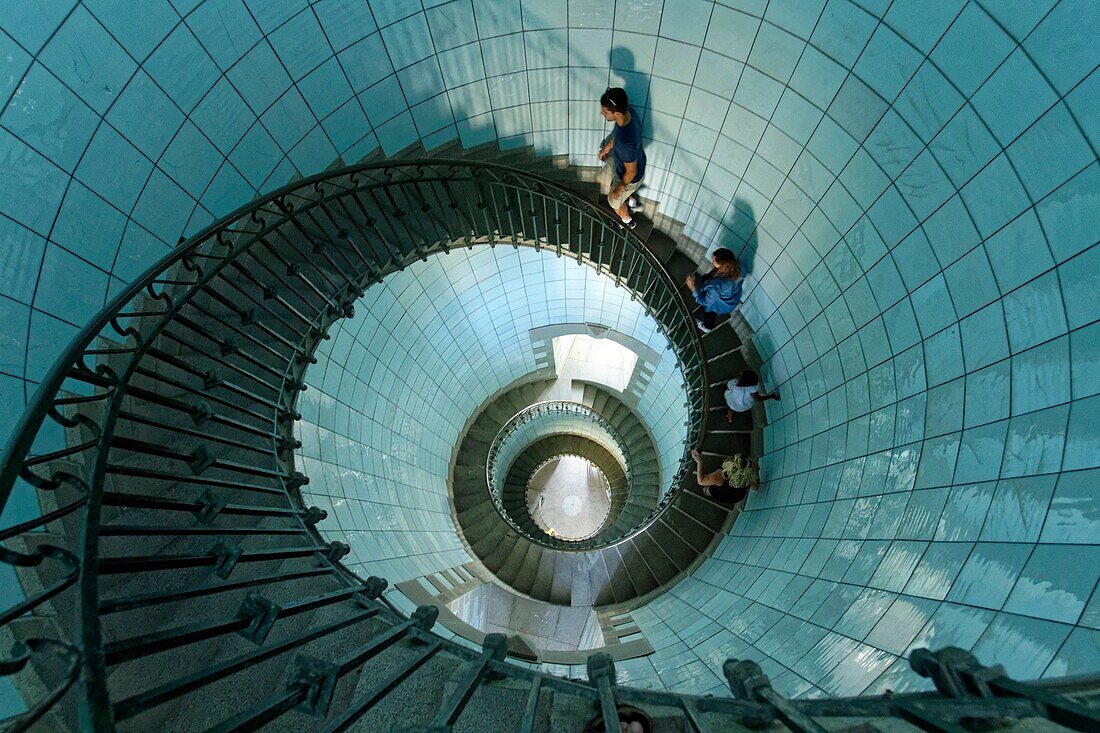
(550, 408)
(84, 390)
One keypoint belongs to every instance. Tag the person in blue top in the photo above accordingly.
(623, 150)
(718, 292)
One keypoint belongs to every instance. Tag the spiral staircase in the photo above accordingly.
(175, 581)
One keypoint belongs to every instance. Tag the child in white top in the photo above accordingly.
(745, 391)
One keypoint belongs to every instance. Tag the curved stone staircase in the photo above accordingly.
(173, 580)
(614, 568)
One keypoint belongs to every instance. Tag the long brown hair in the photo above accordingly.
(727, 264)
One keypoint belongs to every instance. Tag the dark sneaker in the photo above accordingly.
(629, 223)
(702, 326)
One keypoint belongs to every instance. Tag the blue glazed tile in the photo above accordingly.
(1034, 313)
(1004, 247)
(775, 52)
(1056, 582)
(971, 283)
(227, 191)
(1080, 278)
(989, 574)
(685, 20)
(346, 126)
(256, 155)
(223, 116)
(856, 671)
(1082, 435)
(260, 77)
(344, 21)
(965, 512)
(971, 49)
(901, 623)
(432, 115)
(963, 147)
(672, 59)
(1079, 654)
(1074, 515)
(897, 565)
(85, 56)
(981, 452)
(452, 24)
(137, 251)
(225, 28)
(463, 65)
(1041, 377)
(14, 339)
(857, 108)
(1013, 98)
(290, 118)
(995, 196)
(383, 101)
(864, 613)
(182, 68)
(366, 62)
(1069, 215)
(1085, 361)
(842, 31)
(32, 25)
(107, 154)
(731, 33)
(1026, 645)
(46, 339)
(539, 15)
(162, 209)
(326, 88)
(191, 160)
(50, 118)
(145, 116)
(1050, 152)
(89, 226)
(20, 260)
(817, 77)
(55, 294)
(1018, 508)
(588, 48)
(922, 26)
(953, 625)
(951, 232)
(937, 570)
(302, 46)
(504, 54)
(988, 395)
(1062, 44)
(984, 337)
(390, 11)
(497, 17)
(888, 62)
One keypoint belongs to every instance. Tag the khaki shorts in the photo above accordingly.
(608, 181)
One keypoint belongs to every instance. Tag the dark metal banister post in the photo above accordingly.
(601, 673)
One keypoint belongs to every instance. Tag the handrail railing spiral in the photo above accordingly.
(219, 332)
(495, 472)
(157, 529)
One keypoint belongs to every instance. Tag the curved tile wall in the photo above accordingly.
(913, 189)
(396, 384)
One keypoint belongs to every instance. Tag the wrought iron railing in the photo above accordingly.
(217, 334)
(504, 449)
(167, 567)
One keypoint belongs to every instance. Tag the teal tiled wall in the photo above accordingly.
(396, 384)
(912, 187)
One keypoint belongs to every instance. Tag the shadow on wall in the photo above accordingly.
(742, 220)
(634, 82)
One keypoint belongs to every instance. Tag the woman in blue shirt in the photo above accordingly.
(719, 291)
